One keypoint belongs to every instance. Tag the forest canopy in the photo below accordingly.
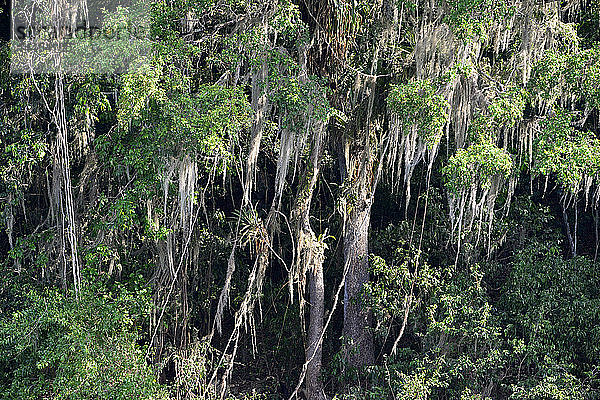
(300, 199)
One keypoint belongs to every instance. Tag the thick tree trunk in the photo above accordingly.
(357, 317)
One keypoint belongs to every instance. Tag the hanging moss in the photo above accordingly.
(566, 153)
(418, 105)
(507, 108)
(569, 75)
(163, 115)
(472, 19)
(476, 165)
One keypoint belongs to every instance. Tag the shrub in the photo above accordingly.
(57, 347)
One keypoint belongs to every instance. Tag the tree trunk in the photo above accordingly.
(309, 262)
(360, 182)
(357, 317)
(314, 348)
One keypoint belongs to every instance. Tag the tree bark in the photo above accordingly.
(314, 348)
(357, 317)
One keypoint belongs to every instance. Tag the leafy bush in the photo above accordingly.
(56, 347)
(537, 339)
(552, 311)
(478, 164)
(452, 347)
(568, 154)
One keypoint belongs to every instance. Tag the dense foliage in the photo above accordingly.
(306, 199)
